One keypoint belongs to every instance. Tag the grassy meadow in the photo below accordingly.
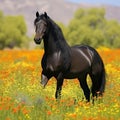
(23, 98)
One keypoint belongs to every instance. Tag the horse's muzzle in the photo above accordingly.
(37, 41)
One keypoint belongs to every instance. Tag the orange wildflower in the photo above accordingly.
(8, 118)
(73, 115)
(49, 112)
(1, 108)
(25, 111)
(15, 110)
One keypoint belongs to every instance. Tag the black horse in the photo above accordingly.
(62, 61)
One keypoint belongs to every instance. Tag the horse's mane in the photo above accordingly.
(58, 34)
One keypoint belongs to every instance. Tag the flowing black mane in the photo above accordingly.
(57, 34)
(62, 61)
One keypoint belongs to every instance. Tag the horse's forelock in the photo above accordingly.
(38, 18)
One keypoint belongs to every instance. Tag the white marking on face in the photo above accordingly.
(40, 28)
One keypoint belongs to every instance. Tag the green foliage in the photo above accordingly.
(112, 34)
(91, 27)
(12, 31)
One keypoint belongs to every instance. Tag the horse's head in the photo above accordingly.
(40, 26)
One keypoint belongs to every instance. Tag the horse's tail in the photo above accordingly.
(102, 80)
(98, 75)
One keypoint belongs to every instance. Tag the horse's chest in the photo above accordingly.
(53, 62)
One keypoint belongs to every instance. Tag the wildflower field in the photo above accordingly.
(23, 98)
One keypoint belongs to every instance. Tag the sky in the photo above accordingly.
(110, 2)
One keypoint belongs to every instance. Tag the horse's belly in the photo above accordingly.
(72, 75)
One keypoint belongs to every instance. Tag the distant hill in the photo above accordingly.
(59, 10)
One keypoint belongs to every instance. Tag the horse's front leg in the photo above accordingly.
(59, 86)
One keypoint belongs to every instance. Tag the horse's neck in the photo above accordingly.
(55, 42)
(49, 45)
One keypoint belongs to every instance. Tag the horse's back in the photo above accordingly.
(84, 53)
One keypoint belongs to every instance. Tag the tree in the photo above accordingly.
(92, 28)
(12, 31)
(85, 26)
(112, 34)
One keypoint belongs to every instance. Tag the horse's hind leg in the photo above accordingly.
(94, 85)
(84, 86)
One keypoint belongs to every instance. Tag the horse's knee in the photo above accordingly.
(44, 80)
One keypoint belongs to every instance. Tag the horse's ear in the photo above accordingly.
(45, 14)
(37, 14)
